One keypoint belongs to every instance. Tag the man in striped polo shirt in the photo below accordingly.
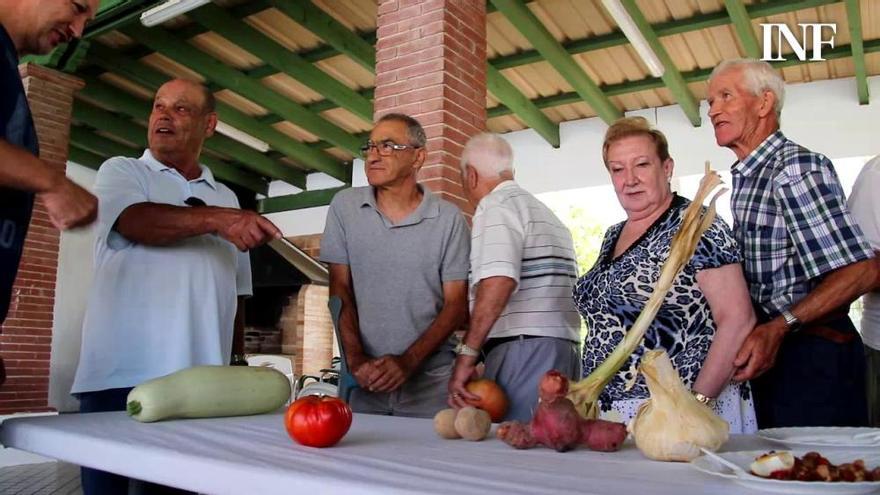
(522, 270)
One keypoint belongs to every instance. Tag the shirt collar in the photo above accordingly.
(505, 184)
(158, 166)
(428, 208)
(768, 148)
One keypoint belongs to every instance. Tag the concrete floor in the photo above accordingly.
(47, 478)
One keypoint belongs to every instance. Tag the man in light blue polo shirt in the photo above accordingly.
(170, 262)
(399, 261)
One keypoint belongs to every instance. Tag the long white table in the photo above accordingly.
(381, 455)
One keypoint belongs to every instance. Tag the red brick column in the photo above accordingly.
(431, 64)
(26, 335)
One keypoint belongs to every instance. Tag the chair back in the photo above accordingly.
(347, 382)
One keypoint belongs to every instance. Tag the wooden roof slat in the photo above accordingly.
(166, 43)
(520, 16)
(140, 109)
(299, 152)
(252, 40)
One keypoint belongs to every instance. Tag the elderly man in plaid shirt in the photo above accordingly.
(805, 259)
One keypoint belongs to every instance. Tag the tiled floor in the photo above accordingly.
(50, 478)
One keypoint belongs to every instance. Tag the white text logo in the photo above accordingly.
(800, 50)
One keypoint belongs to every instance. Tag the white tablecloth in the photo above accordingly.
(382, 455)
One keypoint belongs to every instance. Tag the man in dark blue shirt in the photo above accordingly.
(32, 27)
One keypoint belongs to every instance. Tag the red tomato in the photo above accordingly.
(317, 421)
(492, 399)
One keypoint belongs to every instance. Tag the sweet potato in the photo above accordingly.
(557, 425)
(517, 435)
(601, 435)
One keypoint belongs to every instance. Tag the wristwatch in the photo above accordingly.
(791, 321)
(463, 349)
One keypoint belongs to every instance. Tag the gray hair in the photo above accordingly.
(759, 76)
(414, 129)
(490, 154)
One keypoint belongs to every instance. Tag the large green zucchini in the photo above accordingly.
(209, 391)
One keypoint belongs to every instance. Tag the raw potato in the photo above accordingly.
(472, 423)
(444, 424)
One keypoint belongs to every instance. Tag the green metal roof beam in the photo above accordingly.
(111, 123)
(152, 79)
(86, 146)
(526, 23)
(220, 21)
(505, 91)
(323, 25)
(140, 109)
(84, 157)
(671, 75)
(690, 24)
(698, 75)
(854, 16)
(182, 52)
(743, 25)
(89, 141)
(305, 199)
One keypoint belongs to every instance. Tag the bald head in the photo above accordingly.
(182, 118)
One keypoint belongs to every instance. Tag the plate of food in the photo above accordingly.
(824, 436)
(798, 471)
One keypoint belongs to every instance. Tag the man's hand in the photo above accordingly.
(393, 371)
(465, 370)
(247, 229)
(69, 205)
(758, 352)
(364, 373)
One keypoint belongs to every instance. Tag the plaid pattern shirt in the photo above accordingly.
(791, 222)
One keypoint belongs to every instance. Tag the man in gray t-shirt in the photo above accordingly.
(398, 260)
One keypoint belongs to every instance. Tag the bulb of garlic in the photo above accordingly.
(672, 425)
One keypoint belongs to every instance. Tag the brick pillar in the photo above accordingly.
(26, 335)
(314, 331)
(431, 64)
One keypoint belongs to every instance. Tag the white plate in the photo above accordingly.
(823, 436)
(744, 458)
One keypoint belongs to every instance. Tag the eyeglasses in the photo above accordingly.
(385, 148)
(194, 201)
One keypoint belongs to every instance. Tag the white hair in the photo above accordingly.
(759, 76)
(490, 154)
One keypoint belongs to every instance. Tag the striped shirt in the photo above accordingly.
(516, 236)
(791, 222)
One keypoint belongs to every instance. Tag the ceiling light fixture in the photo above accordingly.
(635, 37)
(242, 137)
(169, 10)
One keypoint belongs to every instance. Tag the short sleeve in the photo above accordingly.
(717, 247)
(333, 245)
(497, 244)
(118, 185)
(456, 257)
(819, 224)
(864, 203)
